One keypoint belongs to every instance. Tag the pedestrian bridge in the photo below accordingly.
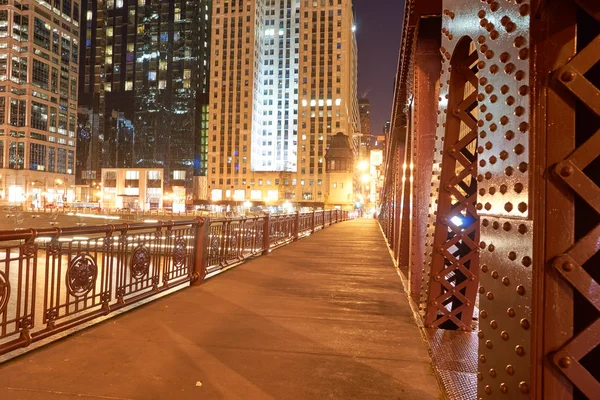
(323, 317)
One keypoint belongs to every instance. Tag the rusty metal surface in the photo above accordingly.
(500, 31)
(455, 260)
(427, 76)
(454, 355)
(575, 183)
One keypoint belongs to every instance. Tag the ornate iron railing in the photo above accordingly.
(53, 280)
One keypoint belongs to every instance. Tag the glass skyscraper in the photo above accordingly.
(147, 61)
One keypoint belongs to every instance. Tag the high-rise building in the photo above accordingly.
(144, 76)
(38, 104)
(386, 128)
(364, 110)
(283, 82)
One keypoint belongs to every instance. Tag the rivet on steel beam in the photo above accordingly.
(567, 76)
(524, 387)
(564, 362)
(568, 266)
(566, 171)
(503, 388)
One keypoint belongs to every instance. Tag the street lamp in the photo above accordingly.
(63, 198)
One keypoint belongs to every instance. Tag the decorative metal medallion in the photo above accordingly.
(81, 275)
(214, 245)
(53, 248)
(4, 291)
(260, 238)
(233, 241)
(28, 249)
(140, 262)
(248, 244)
(179, 253)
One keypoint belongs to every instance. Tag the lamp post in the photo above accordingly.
(60, 183)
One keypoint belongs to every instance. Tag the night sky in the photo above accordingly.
(379, 28)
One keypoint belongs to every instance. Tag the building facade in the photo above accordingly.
(144, 77)
(364, 112)
(39, 48)
(133, 188)
(283, 81)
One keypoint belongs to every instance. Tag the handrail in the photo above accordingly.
(58, 279)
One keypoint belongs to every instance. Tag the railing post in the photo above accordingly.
(201, 243)
(267, 235)
(314, 222)
(297, 226)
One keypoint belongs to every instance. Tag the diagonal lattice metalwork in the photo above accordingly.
(579, 172)
(454, 266)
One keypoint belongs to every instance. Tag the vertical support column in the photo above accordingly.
(200, 251)
(314, 222)
(297, 225)
(267, 235)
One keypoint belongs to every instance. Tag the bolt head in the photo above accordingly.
(564, 362)
(566, 171)
(567, 76)
(568, 266)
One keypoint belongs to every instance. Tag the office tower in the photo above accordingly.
(364, 110)
(144, 75)
(38, 103)
(283, 82)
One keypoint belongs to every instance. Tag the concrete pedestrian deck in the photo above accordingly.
(323, 318)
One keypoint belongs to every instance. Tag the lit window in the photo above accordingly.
(132, 175)
(179, 175)
(255, 195)
(216, 195)
(129, 85)
(239, 194)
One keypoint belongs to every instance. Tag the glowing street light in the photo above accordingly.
(365, 178)
(363, 165)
